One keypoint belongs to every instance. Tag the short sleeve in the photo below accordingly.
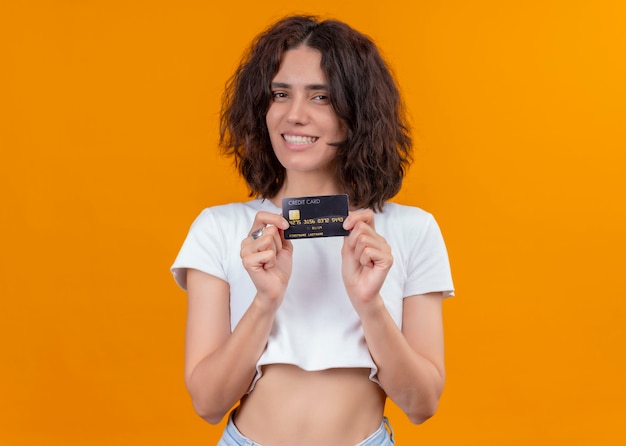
(428, 266)
(203, 250)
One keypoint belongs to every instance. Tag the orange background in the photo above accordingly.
(108, 151)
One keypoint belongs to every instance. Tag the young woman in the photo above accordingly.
(311, 336)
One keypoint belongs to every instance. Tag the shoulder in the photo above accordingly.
(224, 222)
(402, 216)
(208, 245)
(407, 227)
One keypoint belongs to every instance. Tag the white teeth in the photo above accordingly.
(292, 139)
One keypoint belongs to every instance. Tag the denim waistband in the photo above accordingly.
(232, 437)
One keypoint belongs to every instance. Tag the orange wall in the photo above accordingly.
(108, 135)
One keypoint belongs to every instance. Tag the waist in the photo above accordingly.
(334, 406)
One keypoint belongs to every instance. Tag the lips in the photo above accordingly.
(298, 139)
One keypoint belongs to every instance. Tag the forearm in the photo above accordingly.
(411, 380)
(220, 379)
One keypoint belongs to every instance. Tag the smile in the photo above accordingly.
(293, 139)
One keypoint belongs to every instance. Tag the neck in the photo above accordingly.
(306, 184)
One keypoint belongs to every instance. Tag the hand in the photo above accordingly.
(366, 259)
(268, 258)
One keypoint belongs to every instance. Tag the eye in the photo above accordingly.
(321, 98)
(278, 95)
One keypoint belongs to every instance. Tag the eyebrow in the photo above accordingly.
(306, 87)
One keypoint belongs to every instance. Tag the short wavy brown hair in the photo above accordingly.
(373, 158)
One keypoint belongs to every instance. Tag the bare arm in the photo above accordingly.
(410, 362)
(411, 367)
(220, 365)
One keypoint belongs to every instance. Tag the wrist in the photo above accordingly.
(369, 308)
(266, 303)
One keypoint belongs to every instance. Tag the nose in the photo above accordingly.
(297, 113)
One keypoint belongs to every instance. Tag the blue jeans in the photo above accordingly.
(232, 437)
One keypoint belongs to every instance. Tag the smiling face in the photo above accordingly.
(301, 121)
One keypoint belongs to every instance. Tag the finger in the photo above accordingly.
(285, 244)
(375, 257)
(361, 233)
(365, 215)
(275, 234)
(369, 243)
(270, 240)
(263, 219)
(259, 260)
(265, 244)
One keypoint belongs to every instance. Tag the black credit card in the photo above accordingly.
(311, 217)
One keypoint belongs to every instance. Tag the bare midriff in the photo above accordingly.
(291, 406)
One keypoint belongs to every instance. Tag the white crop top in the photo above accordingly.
(316, 327)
